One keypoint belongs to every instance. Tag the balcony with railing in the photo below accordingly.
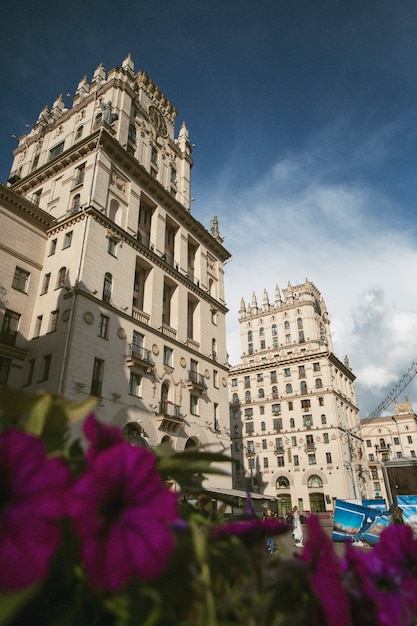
(196, 381)
(383, 447)
(279, 450)
(310, 447)
(169, 417)
(139, 358)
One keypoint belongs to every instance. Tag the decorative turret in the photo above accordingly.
(242, 310)
(83, 88)
(128, 64)
(266, 300)
(99, 75)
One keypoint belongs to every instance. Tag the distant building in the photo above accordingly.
(109, 286)
(293, 409)
(388, 439)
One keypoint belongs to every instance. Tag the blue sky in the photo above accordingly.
(304, 116)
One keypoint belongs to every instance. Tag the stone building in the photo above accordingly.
(110, 287)
(293, 407)
(387, 439)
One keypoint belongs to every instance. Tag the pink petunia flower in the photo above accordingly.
(32, 499)
(101, 436)
(381, 583)
(251, 531)
(121, 511)
(324, 574)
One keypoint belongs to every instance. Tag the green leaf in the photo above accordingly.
(12, 603)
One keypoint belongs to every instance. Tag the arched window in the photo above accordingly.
(314, 481)
(292, 423)
(319, 383)
(98, 119)
(107, 287)
(132, 133)
(235, 398)
(261, 331)
(61, 277)
(275, 392)
(236, 429)
(250, 335)
(282, 482)
(286, 325)
(263, 426)
(303, 386)
(299, 323)
(323, 419)
(288, 388)
(248, 396)
(79, 132)
(274, 330)
(261, 393)
(114, 211)
(75, 206)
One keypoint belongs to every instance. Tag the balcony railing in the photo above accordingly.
(196, 381)
(279, 450)
(139, 358)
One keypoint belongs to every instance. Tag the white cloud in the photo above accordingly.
(293, 224)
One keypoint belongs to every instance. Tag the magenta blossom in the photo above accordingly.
(251, 531)
(380, 588)
(324, 574)
(101, 436)
(32, 499)
(121, 511)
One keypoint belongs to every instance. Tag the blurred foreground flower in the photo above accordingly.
(121, 510)
(32, 499)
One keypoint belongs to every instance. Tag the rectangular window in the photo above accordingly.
(249, 427)
(112, 246)
(52, 248)
(277, 423)
(134, 384)
(296, 459)
(312, 459)
(45, 283)
(290, 406)
(249, 412)
(38, 325)
(323, 420)
(97, 378)
(396, 441)
(31, 369)
(262, 410)
(287, 372)
(46, 367)
(276, 409)
(374, 473)
(168, 356)
(266, 463)
(79, 175)
(247, 381)
(307, 421)
(328, 457)
(399, 455)
(56, 150)
(413, 453)
(301, 371)
(259, 378)
(293, 441)
(10, 327)
(193, 405)
(264, 444)
(53, 321)
(409, 439)
(4, 369)
(325, 437)
(368, 443)
(67, 240)
(377, 486)
(37, 197)
(273, 377)
(103, 328)
(372, 457)
(316, 367)
(287, 339)
(280, 460)
(234, 382)
(20, 280)
(263, 344)
(305, 405)
(216, 378)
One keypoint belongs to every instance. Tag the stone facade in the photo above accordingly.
(293, 408)
(386, 439)
(125, 298)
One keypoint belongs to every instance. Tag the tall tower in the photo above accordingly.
(127, 287)
(293, 405)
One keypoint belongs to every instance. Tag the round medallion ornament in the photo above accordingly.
(88, 317)
(183, 362)
(155, 349)
(121, 333)
(66, 315)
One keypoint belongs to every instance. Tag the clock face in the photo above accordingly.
(158, 121)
